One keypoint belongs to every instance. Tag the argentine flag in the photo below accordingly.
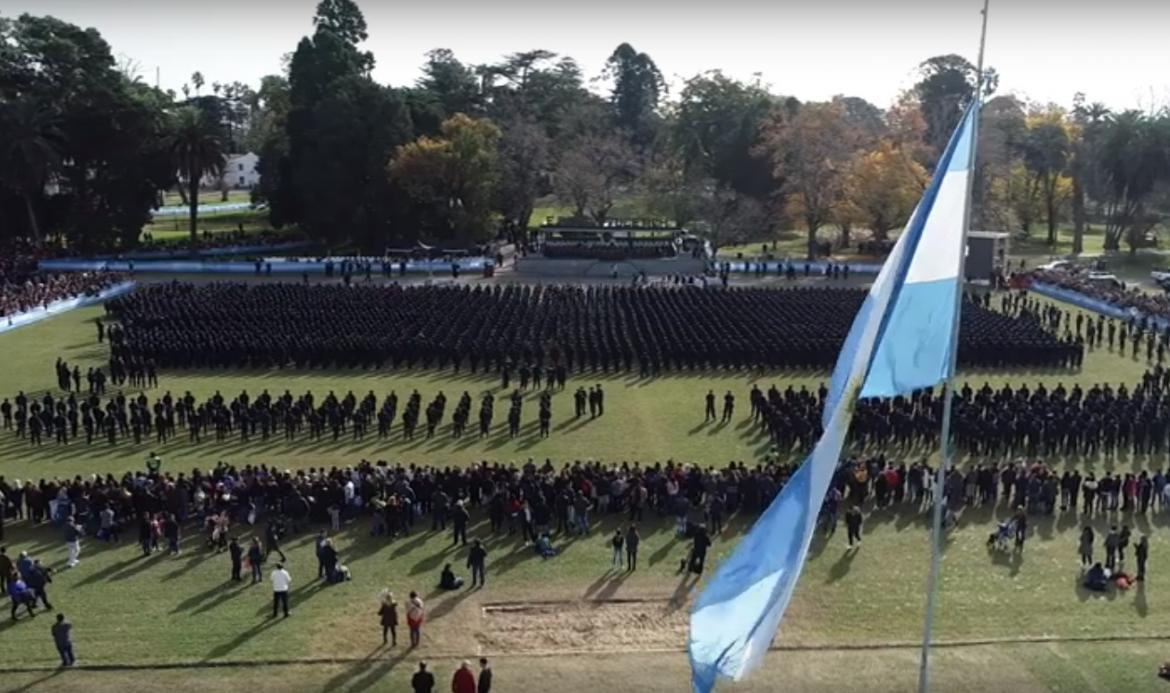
(900, 340)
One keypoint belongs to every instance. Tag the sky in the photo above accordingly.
(1115, 52)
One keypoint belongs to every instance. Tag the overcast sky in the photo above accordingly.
(1116, 52)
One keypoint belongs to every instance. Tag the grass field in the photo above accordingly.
(1015, 623)
(254, 221)
(207, 197)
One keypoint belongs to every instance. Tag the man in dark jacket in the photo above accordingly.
(476, 561)
(485, 677)
(237, 555)
(423, 681)
(38, 578)
(63, 637)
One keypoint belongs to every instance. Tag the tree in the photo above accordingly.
(1085, 132)
(637, 87)
(452, 86)
(102, 138)
(452, 179)
(593, 173)
(881, 189)
(728, 217)
(945, 88)
(31, 143)
(1044, 149)
(810, 152)
(340, 130)
(524, 162)
(717, 127)
(197, 151)
(197, 81)
(1134, 159)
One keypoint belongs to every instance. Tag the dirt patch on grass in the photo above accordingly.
(612, 625)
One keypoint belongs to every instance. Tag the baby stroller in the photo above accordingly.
(1001, 538)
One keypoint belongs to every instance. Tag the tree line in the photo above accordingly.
(465, 153)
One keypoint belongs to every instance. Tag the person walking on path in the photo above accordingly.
(281, 581)
(415, 616)
(388, 615)
(63, 637)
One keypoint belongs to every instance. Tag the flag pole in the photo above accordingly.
(948, 393)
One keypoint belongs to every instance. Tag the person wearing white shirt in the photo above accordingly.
(281, 581)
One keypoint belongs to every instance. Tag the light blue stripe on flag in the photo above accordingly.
(736, 616)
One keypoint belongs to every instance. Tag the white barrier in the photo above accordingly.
(12, 322)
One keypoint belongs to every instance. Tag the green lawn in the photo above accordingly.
(254, 221)
(168, 611)
(207, 197)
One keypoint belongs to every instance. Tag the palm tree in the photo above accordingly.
(30, 151)
(196, 150)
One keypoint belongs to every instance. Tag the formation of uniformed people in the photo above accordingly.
(1136, 337)
(988, 422)
(121, 417)
(494, 328)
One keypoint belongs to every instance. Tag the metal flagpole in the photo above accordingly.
(948, 393)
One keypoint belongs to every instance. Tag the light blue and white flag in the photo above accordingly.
(900, 341)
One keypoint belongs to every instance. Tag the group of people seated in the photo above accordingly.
(22, 291)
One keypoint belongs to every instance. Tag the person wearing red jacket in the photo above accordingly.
(464, 679)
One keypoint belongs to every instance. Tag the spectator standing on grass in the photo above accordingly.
(463, 681)
(618, 541)
(1142, 553)
(632, 541)
(237, 555)
(485, 677)
(255, 559)
(73, 541)
(63, 637)
(853, 525)
(281, 581)
(388, 616)
(423, 681)
(415, 616)
(477, 563)
(1086, 546)
(171, 530)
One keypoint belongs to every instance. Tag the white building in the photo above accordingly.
(239, 172)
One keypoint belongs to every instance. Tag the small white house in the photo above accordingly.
(239, 172)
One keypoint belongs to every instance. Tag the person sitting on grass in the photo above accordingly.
(1097, 579)
(448, 580)
(544, 546)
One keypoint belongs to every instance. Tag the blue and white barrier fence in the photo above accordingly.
(184, 211)
(12, 322)
(205, 252)
(1088, 303)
